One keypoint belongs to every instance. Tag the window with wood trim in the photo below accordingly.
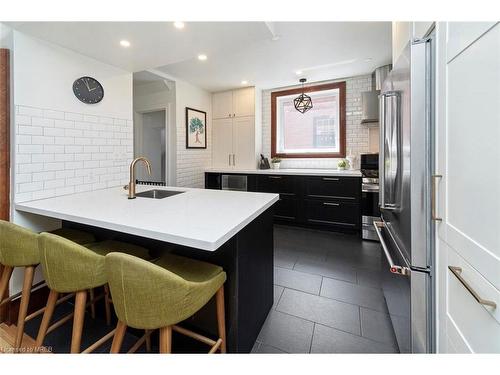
(318, 133)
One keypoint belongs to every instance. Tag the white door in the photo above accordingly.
(244, 142)
(222, 142)
(222, 104)
(468, 155)
(244, 102)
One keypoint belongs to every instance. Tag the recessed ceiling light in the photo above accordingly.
(368, 59)
(179, 25)
(202, 57)
(298, 72)
(124, 43)
(244, 82)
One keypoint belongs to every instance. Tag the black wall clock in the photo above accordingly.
(88, 90)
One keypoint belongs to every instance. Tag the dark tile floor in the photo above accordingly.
(327, 299)
(327, 296)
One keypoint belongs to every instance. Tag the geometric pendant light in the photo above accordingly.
(303, 102)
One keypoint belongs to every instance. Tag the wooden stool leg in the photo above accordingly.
(92, 304)
(107, 304)
(4, 280)
(221, 319)
(29, 272)
(148, 341)
(76, 337)
(166, 340)
(47, 315)
(118, 338)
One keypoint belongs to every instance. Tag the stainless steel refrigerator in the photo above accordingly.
(405, 169)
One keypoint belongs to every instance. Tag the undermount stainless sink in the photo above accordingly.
(158, 194)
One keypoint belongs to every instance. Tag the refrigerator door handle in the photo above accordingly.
(393, 268)
(395, 122)
(381, 166)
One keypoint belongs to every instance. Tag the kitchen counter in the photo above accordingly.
(302, 171)
(228, 228)
(199, 218)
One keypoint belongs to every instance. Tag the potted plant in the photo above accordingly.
(275, 162)
(342, 164)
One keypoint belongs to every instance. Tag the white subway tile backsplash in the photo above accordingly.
(30, 149)
(33, 130)
(29, 111)
(90, 118)
(51, 114)
(30, 186)
(60, 153)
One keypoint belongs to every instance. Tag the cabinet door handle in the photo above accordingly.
(331, 204)
(229, 115)
(457, 271)
(234, 159)
(330, 179)
(434, 198)
(229, 162)
(274, 177)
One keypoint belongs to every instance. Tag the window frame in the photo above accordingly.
(341, 86)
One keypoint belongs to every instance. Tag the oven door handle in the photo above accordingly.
(400, 270)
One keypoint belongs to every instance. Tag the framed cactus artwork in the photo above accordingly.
(196, 128)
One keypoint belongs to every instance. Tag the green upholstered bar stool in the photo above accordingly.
(19, 248)
(159, 295)
(71, 268)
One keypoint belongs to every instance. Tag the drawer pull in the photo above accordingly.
(274, 177)
(329, 196)
(330, 179)
(331, 204)
(457, 271)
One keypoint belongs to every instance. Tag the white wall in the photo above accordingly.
(155, 96)
(191, 163)
(357, 135)
(61, 145)
(44, 74)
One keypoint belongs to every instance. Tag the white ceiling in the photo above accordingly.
(236, 50)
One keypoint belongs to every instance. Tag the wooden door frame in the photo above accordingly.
(4, 145)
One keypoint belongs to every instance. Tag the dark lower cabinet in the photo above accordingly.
(324, 202)
(213, 181)
(332, 213)
(286, 209)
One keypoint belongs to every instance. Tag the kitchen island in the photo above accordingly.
(231, 229)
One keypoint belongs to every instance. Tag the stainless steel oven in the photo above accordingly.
(369, 196)
(234, 182)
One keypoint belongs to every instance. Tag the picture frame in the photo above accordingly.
(196, 129)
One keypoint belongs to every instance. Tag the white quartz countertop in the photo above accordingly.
(199, 218)
(307, 172)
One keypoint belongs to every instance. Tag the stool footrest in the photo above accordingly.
(141, 341)
(99, 342)
(215, 345)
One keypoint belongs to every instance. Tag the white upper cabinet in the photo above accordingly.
(236, 128)
(222, 104)
(244, 102)
(469, 204)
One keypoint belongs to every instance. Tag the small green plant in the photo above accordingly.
(275, 160)
(342, 163)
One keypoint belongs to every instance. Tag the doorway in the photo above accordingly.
(154, 126)
(150, 142)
